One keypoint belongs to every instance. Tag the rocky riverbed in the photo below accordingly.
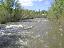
(30, 33)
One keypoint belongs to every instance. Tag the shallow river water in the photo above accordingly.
(30, 33)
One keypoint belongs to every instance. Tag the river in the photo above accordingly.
(30, 33)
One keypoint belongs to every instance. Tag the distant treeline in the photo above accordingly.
(11, 11)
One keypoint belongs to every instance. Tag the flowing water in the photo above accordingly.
(30, 33)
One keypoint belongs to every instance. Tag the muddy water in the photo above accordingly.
(30, 33)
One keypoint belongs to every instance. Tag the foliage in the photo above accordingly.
(56, 37)
(26, 14)
(57, 9)
(9, 11)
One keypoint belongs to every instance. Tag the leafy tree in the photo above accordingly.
(57, 9)
(13, 7)
(10, 11)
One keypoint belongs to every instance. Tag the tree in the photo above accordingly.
(57, 9)
(3, 13)
(10, 11)
(14, 8)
